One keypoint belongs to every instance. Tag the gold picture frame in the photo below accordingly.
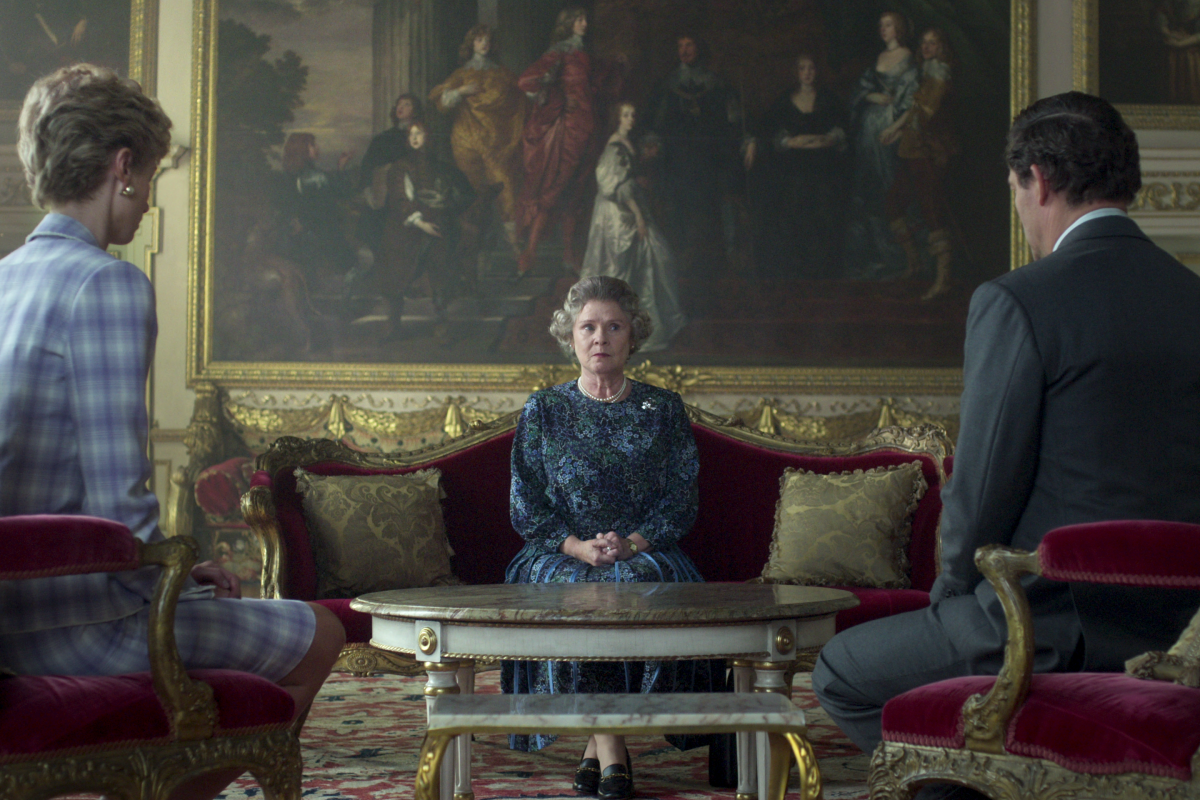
(204, 362)
(36, 39)
(1087, 48)
(143, 44)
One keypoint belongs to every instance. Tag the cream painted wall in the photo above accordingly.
(172, 401)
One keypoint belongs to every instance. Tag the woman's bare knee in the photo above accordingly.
(329, 637)
(328, 640)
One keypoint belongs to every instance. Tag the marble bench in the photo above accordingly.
(626, 714)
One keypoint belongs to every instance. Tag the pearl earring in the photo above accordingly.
(128, 191)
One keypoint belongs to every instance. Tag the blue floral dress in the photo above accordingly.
(582, 467)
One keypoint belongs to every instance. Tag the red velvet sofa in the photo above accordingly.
(730, 541)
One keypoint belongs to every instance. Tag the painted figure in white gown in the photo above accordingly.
(624, 241)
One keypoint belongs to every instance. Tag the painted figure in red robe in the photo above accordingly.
(568, 89)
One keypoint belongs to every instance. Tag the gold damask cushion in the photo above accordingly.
(845, 528)
(376, 532)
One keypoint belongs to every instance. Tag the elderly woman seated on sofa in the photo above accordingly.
(603, 487)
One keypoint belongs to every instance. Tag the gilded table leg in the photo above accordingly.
(785, 746)
(806, 761)
(441, 680)
(768, 677)
(462, 771)
(743, 681)
(433, 751)
(781, 766)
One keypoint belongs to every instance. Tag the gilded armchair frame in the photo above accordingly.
(898, 770)
(154, 771)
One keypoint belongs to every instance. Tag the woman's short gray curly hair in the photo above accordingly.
(74, 120)
(599, 287)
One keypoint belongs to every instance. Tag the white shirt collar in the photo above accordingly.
(1099, 212)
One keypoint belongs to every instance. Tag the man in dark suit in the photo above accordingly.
(1081, 402)
(697, 115)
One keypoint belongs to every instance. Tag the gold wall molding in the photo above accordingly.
(337, 415)
(259, 417)
(143, 44)
(1023, 90)
(803, 420)
(477, 377)
(1177, 192)
(168, 435)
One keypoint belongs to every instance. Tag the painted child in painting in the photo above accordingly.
(422, 198)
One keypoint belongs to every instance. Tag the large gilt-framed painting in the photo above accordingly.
(38, 37)
(398, 194)
(1143, 56)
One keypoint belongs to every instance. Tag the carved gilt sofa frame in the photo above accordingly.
(229, 429)
(740, 470)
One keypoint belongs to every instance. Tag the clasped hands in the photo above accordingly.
(604, 550)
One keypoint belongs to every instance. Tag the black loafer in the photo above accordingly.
(587, 776)
(616, 783)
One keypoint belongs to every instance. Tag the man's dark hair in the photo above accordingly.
(1081, 145)
(701, 45)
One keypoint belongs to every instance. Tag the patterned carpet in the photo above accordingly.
(363, 736)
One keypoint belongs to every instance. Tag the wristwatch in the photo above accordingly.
(632, 546)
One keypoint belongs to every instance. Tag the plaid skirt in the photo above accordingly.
(266, 637)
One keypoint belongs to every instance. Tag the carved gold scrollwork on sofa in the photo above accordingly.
(359, 658)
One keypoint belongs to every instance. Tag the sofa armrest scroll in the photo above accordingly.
(258, 509)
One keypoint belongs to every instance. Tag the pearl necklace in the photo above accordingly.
(609, 399)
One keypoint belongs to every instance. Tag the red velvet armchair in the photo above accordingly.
(138, 736)
(1061, 736)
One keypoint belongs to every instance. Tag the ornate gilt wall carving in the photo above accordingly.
(1167, 191)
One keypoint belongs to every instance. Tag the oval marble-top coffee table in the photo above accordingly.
(759, 626)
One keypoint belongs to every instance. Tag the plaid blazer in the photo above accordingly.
(77, 332)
